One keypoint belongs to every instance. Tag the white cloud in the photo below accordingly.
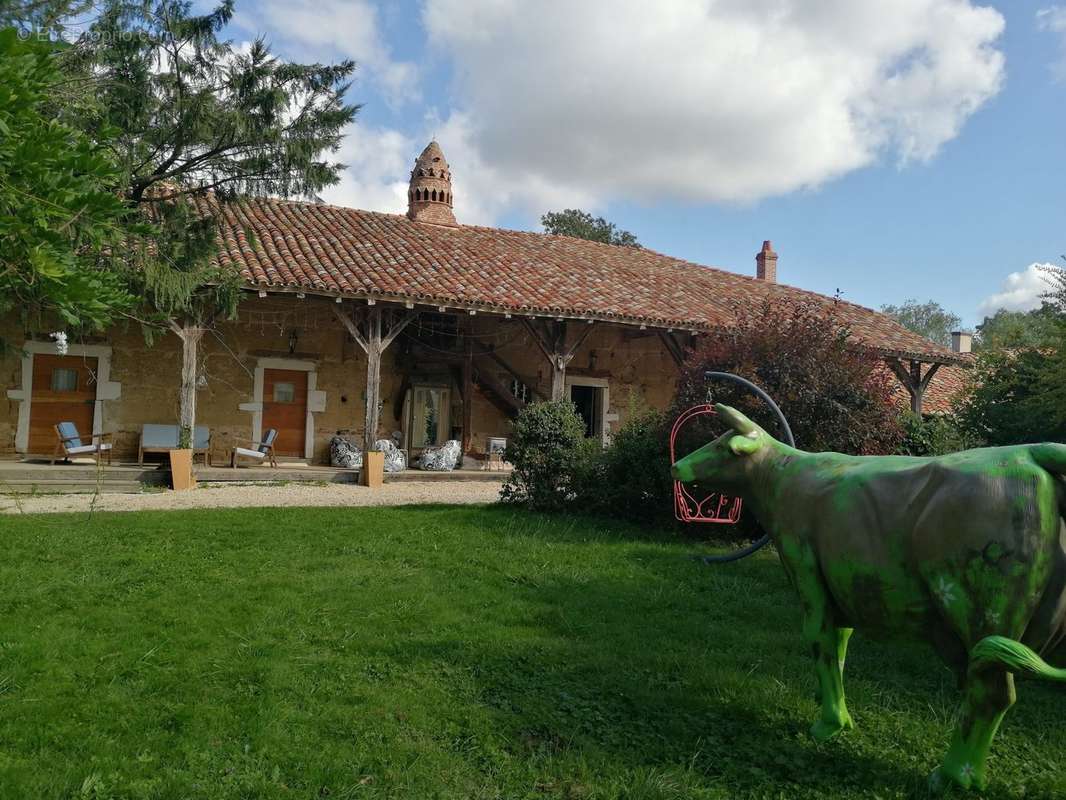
(727, 101)
(1020, 292)
(1053, 19)
(379, 162)
(325, 30)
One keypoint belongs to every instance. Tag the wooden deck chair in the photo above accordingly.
(70, 444)
(263, 451)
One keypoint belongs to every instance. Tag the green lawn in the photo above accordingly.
(443, 652)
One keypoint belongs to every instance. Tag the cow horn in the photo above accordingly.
(735, 420)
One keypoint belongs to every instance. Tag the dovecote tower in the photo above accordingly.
(429, 197)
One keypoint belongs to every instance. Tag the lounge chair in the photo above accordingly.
(164, 438)
(263, 451)
(70, 444)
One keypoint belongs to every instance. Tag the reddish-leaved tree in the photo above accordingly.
(835, 394)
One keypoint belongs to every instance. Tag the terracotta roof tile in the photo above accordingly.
(363, 253)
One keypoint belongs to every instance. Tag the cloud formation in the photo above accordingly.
(1021, 291)
(379, 163)
(1053, 19)
(731, 101)
(323, 30)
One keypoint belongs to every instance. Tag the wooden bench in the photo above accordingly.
(164, 438)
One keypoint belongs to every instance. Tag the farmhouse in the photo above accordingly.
(414, 326)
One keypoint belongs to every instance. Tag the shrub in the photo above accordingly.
(934, 435)
(835, 394)
(633, 477)
(547, 449)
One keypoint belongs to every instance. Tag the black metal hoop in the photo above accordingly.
(785, 429)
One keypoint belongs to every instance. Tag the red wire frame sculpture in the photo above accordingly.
(715, 507)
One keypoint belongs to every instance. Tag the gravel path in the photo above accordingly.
(244, 495)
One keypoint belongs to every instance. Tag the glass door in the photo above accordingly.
(429, 416)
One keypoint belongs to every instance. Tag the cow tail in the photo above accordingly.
(999, 651)
(1051, 456)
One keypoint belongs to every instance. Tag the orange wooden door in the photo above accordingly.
(64, 390)
(285, 408)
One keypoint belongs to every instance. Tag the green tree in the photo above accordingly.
(928, 319)
(199, 124)
(582, 225)
(61, 228)
(1018, 329)
(1007, 402)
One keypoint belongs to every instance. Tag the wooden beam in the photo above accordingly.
(532, 385)
(373, 341)
(676, 351)
(554, 348)
(352, 326)
(912, 379)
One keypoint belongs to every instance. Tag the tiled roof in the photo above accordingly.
(348, 252)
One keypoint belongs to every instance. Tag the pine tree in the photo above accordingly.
(198, 124)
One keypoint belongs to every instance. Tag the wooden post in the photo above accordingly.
(913, 381)
(374, 342)
(468, 393)
(555, 350)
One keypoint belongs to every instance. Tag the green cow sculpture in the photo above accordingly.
(966, 550)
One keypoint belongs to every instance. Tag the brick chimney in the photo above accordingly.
(766, 263)
(961, 341)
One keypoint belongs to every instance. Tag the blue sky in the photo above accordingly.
(907, 149)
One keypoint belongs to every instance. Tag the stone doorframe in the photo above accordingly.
(316, 400)
(106, 389)
(606, 417)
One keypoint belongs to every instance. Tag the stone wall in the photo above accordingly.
(637, 368)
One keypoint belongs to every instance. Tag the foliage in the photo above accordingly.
(835, 395)
(935, 435)
(195, 113)
(1018, 388)
(1011, 330)
(546, 448)
(928, 319)
(60, 227)
(630, 479)
(1006, 402)
(582, 225)
(455, 653)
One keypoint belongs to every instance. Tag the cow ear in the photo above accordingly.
(745, 445)
(734, 419)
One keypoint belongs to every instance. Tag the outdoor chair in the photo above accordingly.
(260, 451)
(70, 444)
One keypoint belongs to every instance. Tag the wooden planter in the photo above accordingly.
(372, 474)
(181, 470)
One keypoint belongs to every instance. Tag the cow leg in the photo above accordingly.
(829, 646)
(988, 696)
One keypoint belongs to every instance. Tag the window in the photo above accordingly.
(284, 393)
(64, 379)
(520, 390)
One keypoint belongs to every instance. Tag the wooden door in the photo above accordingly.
(285, 408)
(64, 390)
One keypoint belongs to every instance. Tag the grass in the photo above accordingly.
(443, 653)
